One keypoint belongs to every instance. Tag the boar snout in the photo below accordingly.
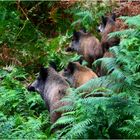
(31, 88)
(97, 29)
(69, 49)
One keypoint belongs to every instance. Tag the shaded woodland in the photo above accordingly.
(36, 33)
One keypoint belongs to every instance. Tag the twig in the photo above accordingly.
(34, 7)
(21, 30)
(27, 19)
(19, 7)
(33, 60)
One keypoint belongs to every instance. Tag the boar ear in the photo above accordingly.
(76, 35)
(104, 20)
(43, 73)
(53, 65)
(71, 67)
(114, 16)
(83, 29)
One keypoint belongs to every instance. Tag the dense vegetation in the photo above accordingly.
(30, 37)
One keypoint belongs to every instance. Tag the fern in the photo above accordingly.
(132, 21)
(87, 14)
(134, 31)
(22, 114)
(132, 128)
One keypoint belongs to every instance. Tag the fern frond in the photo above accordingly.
(115, 50)
(124, 33)
(63, 121)
(132, 128)
(132, 21)
(79, 129)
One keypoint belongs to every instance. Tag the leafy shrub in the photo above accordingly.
(23, 114)
(22, 43)
(88, 15)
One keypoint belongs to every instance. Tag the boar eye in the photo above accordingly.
(38, 78)
(65, 69)
(36, 74)
(73, 39)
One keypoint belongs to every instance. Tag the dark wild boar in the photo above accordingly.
(107, 26)
(52, 88)
(86, 45)
(77, 74)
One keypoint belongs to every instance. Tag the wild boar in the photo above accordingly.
(77, 74)
(107, 26)
(52, 88)
(86, 45)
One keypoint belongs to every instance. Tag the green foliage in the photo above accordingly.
(132, 128)
(88, 14)
(23, 42)
(134, 28)
(22, 114)
(96, 117)
(51, 17)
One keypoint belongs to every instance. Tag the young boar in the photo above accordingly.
(52, 88)
(107, 26)
(77, 74)
(86, 45)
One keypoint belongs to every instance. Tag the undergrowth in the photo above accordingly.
(22, 114)
(24, 48)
